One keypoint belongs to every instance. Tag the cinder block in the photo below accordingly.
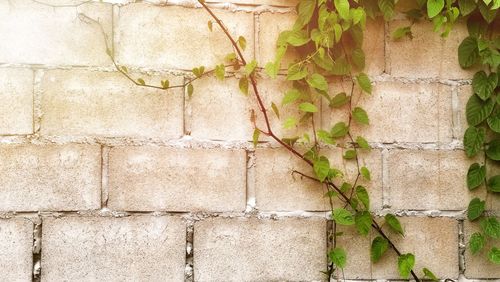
(16, 94)
(139, 248)
(33, 33)
(16, 257)
(251, 249)
(423, 236)
(429, 179)
(427, 55)
(83, 103)
(395, 107)
(153, 178)
(278, 190)
(50, 177)
(176, 37)
(478, 266)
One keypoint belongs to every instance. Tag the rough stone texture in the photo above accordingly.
(152, 178)
(395, 107)
(16, 94)
(271, 24)
(176, 37)
(285, 3)
(429, 180)
(219, 111)
(140, 248)
(278, 190)
(49, 177)
(33, 33)
(81, 103)
(16, 257)
(433, 241)
(243, 249)
(427, 55)
(478, 266)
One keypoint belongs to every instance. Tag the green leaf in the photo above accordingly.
(305, 10)
(198, 72)
(325, 137)
(342, 7)
(473, 140)
(343, 216)
(434, 7)
(298, 38)
(378, 248)
(321, 168)
(484, 85)
(339, 130)
(296, 72)
(141, 81)
(429, 275)
(468, 53)
(406, 262)
(210, 24)
(476, 242)
(338, 256)
(360, 116)
(365, 173)
(250, 67)
(339, 100)
(387, 8)
(363, 221)
(402, 31)
(350, 154)
(358, 58)
(475, 209)
(364, 83)
(394, 223)
(290, 141)
(493, 151)
(272, 69)
(255, 138)
(165, 84)
(243, 84)
(318, 81)
(476, 111)
(494, 255)
(466, 6)
(362, 143)
(190, 90)
(220, 71)
(362, 196)
(494, 184)
(291, 96)
(289, 123)
(275, 110)
(475, 176)
(494, 120)
(308, 107)
(242, 42)
(491, 227)
(488, 14)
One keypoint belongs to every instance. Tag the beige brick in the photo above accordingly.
(16, 257)
(278, 190)
(478, 265)
(220, 111)
(16, 94)
(140, 248)
(271, 24)
(52, 178)
(423, 180)
(423, 237)
(81, 103)
(152, 178)
(286, 3)
(33, 33)
(176, 37)
(428, 55)
(250, 249)
(395, 107)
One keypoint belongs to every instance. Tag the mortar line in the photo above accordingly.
(461, 247)
(189, 268)
(250, 193)
(105, 150)
(37, 251)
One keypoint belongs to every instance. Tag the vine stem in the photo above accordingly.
(272, 135)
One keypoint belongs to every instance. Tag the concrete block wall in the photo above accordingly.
(102, 180)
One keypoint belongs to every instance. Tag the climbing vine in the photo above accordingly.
(327, 39)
